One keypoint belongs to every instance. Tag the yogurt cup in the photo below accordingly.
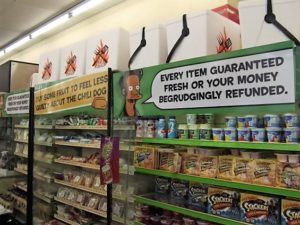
(241, 122)
(271, 120)
(205, 133)
(230, 134)
(258, 134)
(293, 158)
(281, 157)
(244, 134)
(231, 121)
(291, 120)
(193, 131)
(291, 134)
(274, 134)
(191, 119)
(183, 131)
(218, 134)
(251, 121)
(208, 118)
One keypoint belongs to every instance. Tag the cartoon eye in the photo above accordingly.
(137, 87)
(130, 88)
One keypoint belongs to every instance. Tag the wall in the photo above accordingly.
(130, 14)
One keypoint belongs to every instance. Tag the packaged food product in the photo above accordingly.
(291, 120)
(96, 182)
(230, 134)
(162, 187)
(271, 120)
(242, 169)
(93, 202)
(218, 134)
(274, 134)
(179, 192)
(259, 209)
(208, 166)
(288, 175)
(291, 134)
(258, 134)
(188, 221)
(145, 156)
(190, 164)
(88, 180)
(251, 121)
(241, 122)
(182, 131)
(290, 210)
(172, 127)
(62, 192)
(205, 133)
(71, 195)
(197, 196)
(225, 168)
(231, 121)
(78, 179)
(169, 161)
(194, 131)
(191, 119)
(264, 171)
(244, 134)
(224, 203)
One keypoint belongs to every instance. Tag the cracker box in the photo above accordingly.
(224, 203)
(264, 172)
(49, 66)
(197, 196)
(145, 156)
(258, 209)
(208, 166)
(288, 175)
(190, 164)
(242, 169)
(169, 161)
(179, 192)
(162, 188)
(225, 167)
(290, 212)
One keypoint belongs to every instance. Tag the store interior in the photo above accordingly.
(148, 112)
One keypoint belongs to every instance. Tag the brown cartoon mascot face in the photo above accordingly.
(131, 90)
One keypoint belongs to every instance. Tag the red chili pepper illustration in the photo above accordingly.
(47, 72)
(101, 55)
(71, 64)
(225, 44)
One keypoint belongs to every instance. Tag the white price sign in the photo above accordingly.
(17, 103)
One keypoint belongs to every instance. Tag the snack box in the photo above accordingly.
(290, 211)
(225, 167)
(190, 164)
(169, 160)
(197, 196)
(264, 172)
(224, 203)
(259, 209)
(162, 188)
(155, 50)
(242, 169)
(288, 175)
(209, 33)
(145, 156)
(49, 66)
(255, 31)
(179, 192)
(208, 166)
(107, 50)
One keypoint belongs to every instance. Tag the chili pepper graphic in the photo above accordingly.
(47, 72)
(101, 55)
(225, 44)
(71, 64)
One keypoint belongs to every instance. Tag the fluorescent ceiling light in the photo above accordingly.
(17, 44)
(85, 6)
(49, 26)
(1, 53)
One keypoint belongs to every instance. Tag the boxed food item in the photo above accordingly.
(49, 66)
(107, 50)
(190, 164)
(155, 50)
(197, 196)
(264, 172)
(145, 156)
(225, 167)
(72, 60)
(255, 31)
(208, 166)
(288, 175)
(209, 33)
(162, 188)
(179, 192)
(242, 169)
(290, 211)
(169, 160)
(258, 209)
(224, 203)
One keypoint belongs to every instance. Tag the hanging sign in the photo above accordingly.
(259, 79)
(89, 90)
(17, 103)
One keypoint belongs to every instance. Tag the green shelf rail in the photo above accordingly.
(286, 192)
(223, 144)
(187, 212)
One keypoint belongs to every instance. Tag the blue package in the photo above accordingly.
(197, 197)
(179, 192)
(162, 188)
(290, 212)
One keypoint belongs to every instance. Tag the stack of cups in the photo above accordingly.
(273, 126)
(291, 130)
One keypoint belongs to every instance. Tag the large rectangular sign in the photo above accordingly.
(17, 103)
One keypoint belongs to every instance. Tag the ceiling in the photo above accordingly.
(18, 17)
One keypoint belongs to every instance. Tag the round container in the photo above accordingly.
(139, 127)
(230, 134)
(193, 131)
(200, 119)
(218, 134)
(291, 134)
(150, 128)
(251, 120)
(172, 128)
(258, 134)
(208, 118)
(274, 134)
(293, 158)
(271, 120)
(241, 122)
(183, 131)
(191, 119)
(244, 134)
(230, 121)
(205, 133)
(291, 120)
(281, 157)
(161, 128)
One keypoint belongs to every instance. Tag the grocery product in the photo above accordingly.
(258, 134)
(231, 121)
(191, 164)
(291, 134)
(197, 196)
(271, 120)
(191, 119)
(144, 156)
(288, 175)
(161, 128)
(225, 167)
(290, 210)
(259, 209)
(244, 134)
(205, 133)
(230, 134)
(169, 160)
(242, 169)
(194, 131)
(291, 120)
(182, 131)
(241, 121)
(179, 192)
(264, 172)
(218, 134)
(162, 188)
(208, 166)
(251, 121)
(172, 127)
(274, 134)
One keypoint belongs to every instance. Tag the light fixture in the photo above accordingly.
(17, 44)
(85, 7)
(49, 26)
(1, 53)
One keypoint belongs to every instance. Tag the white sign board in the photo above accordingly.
(266, 78)
(17, 103)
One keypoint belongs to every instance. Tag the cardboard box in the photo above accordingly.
(49, 67)
(210, 33)
(225, 167)
(264, 172)
(242, 170)
(290, 211)
(255, 31)
(145, 156)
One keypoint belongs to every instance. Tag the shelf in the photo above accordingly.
(43, 143)
(293, 193)
(187, 212)
(45, 127)
(82, 165)
(96, 127)
(21, 188)
(80, 187)
(38, 177)
(20, 154)
(21, 171)
(79, 145)
(222, 144)
(42, 197)
(78, 206)
(118, 219)
(37, 159)
(70, 222)
(22, 200)
(21, 141)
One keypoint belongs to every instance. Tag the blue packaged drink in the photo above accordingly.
(161, 128)
(172, 131)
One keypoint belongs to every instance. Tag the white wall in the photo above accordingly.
(130, 14)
